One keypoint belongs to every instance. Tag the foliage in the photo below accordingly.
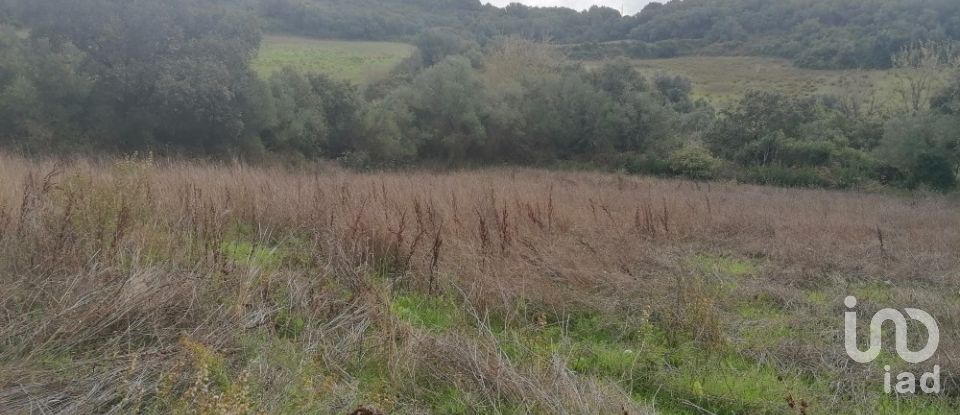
(693, 161)
(42, 94)
(921, 68)
(447, 102)
(176, 77)
(924, 147)
(947, 101)
(752, 132)
(935, 170)
(815, 34)
(308, 115)
(165, 73)
(434, 45)
(523, 105)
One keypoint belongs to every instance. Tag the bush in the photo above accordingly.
(934, 170)
(807, 153)
(643, 164)
(693, 161)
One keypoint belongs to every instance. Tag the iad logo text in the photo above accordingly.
(907, 382)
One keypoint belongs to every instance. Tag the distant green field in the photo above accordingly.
(723, 79)
(359, 62)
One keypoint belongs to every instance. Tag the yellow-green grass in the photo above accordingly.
(724, 79)
(358, 62)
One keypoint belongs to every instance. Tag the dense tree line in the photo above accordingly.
(814, 33)
(405, 19)
(129, 73)
(522, 104)
(173, 76)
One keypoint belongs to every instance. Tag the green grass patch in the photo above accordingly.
(448, 400)
(246, 253)
(734, 384)
(430, 313)
(818, 298)
(913, 405)
(642, 360)
(764, 336)
(357, 62)
(760, 309)
(878, 293)
(723, 265)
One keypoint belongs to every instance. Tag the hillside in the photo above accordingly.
(199, 79)
(724, 80)
(823, 34)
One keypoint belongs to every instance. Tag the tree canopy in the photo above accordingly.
(485, 86)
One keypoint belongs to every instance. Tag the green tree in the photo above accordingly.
(947, 100)
(728, 29)
(620, 79)
(752, 131)
(936, 171)
(920, 70)
(921, 146)
(387, 132)
(434, 45)
(447, 102)
(168, 72)
(41, 95)
(568, 115)
(676, 90)
(300, 125)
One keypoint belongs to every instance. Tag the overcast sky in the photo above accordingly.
(629, 6)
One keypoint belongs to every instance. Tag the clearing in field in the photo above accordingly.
(358, 62)
(724, 79)
(172, 287)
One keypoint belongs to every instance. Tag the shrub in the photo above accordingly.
(643, 164)
(807, 153)
(693, 161)
(934, 170)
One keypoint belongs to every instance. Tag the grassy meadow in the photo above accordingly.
(722, 80)
(358, 62)
(145, 286)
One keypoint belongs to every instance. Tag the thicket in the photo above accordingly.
(174, 77)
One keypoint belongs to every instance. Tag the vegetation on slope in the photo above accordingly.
(724, 80)
(81, 81)
(846, 34)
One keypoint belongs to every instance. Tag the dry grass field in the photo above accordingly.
(143, 286)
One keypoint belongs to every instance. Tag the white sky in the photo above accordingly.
(629, 6)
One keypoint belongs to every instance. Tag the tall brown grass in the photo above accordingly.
(124, 287)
